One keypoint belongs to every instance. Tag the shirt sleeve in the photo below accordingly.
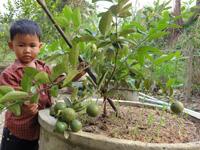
(8, 79)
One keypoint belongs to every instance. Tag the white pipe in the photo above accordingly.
(154, 100)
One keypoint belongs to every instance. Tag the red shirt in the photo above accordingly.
(25, 126)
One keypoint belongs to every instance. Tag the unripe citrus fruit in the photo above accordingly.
(60, 127)
(68, 114)
(177, 107)
(92, 110)
(75, 125)
(59, 106)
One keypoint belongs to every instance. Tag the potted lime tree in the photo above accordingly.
(120, 55)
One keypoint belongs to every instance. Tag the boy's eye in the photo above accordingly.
(33, 45)
(20, 45)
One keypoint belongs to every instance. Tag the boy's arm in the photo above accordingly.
(8, 79)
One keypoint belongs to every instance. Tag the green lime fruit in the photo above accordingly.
(60, 127)
(59, 106)
(75, 125)
(68, 114)
(92, 110)
(177, 107)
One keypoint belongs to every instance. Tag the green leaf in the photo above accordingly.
(157, 35)
(15, 109)
(62, 20)
(2, 107)
(60, 68)
(42, 77)
(115, 9)
(26, 82)
(166, 15)
(174, 26)
(123, 2)
(76, 17)
(56, 71)
(124, 11)
(103, 43)
(74, 95)
(93, 1)
(165, 58)
(30, 72)
(67, 11)
(73, 57)
(125, 14)
(70, 76)
(53, 46)
(105, 22)
(137, 83)
(170, 82)
(162, 25)
(151, 49)
(68, 102)
(147, 84)
(171, 91)
(79, 106)
(54, 90)
(143, 51)
(138, 25)
(86, 38)
(126, 31)
(35, 98)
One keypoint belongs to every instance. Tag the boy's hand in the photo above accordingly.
(29, 108)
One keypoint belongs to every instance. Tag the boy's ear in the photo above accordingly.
(10, 44)
(40, 46)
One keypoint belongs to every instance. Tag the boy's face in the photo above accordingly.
(26, 47)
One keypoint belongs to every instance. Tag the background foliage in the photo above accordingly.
(144, 37)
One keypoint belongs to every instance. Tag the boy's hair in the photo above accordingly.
(25, 26)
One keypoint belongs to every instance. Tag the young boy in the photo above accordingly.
(22, 133)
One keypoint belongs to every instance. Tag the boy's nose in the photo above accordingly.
(27, 49)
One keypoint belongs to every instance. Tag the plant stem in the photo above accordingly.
(104, 107)
(116, 56)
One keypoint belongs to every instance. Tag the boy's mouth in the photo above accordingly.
(27, 57)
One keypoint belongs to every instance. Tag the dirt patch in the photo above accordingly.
(146, 125)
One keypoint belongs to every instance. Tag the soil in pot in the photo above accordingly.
(144, 124)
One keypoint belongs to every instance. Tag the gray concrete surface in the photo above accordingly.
(2, 117)
(50, 140)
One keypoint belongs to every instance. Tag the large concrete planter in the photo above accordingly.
(50, 140)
